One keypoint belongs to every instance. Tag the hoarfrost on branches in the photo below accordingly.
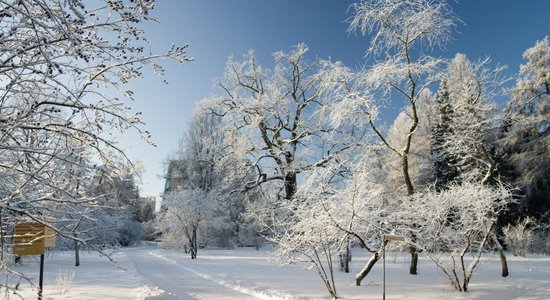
(394, 23)
(64, 67)
(456, 226)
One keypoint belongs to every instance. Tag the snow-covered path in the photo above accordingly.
(171, 272)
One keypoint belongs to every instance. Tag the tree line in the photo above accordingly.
(300, 155)
(64, 103)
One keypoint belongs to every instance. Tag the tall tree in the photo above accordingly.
(64, 68)
(400, 31)
(189, 217)
(526, 131)
(194, 204)
(471, 86)
(444, 164)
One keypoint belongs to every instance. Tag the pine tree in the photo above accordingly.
(443, 163)
(526, 132)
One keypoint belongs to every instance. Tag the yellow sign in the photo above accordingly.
(28, 239)
(49, 236)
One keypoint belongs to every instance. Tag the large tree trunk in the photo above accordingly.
(414, 256)
(372, 261)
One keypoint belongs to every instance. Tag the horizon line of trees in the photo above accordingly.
(299, 153)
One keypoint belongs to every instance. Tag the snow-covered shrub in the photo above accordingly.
(150, 231)
(541, 239)
(129, 232)
(64, 282)
(307, 239)
(519, 237)
(454, 227)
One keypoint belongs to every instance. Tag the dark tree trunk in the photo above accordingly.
(76, 253)
(414, 256)
(406, 176)
(345, 258)
(193, 243)
(414, 261)
(290, 185)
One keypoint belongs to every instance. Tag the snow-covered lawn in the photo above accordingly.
(95, 278)
(153, 273)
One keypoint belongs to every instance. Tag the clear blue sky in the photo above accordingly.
(216, 29)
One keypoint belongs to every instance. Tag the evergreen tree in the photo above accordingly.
(465, 139)
(443, 163)
(525, 156)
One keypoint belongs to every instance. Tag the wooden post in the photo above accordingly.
(41, 277)
(383, 271)
(31, 238)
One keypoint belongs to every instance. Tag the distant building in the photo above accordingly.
(147, 207)
(175, 177)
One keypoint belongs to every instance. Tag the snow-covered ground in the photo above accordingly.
(150, 272)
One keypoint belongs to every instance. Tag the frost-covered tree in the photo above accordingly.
(471, 86)
(64, 66)
(400, 33)
(530, 96)
(443, 169)
(350, 197)
(271, 118)
(199, 168)
(277, 123)
(457, 225)
(331, 209)
(200, 148)
(526, 131)
(189, 217)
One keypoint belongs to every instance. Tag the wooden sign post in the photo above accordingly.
(31, 239)
(28, 239)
